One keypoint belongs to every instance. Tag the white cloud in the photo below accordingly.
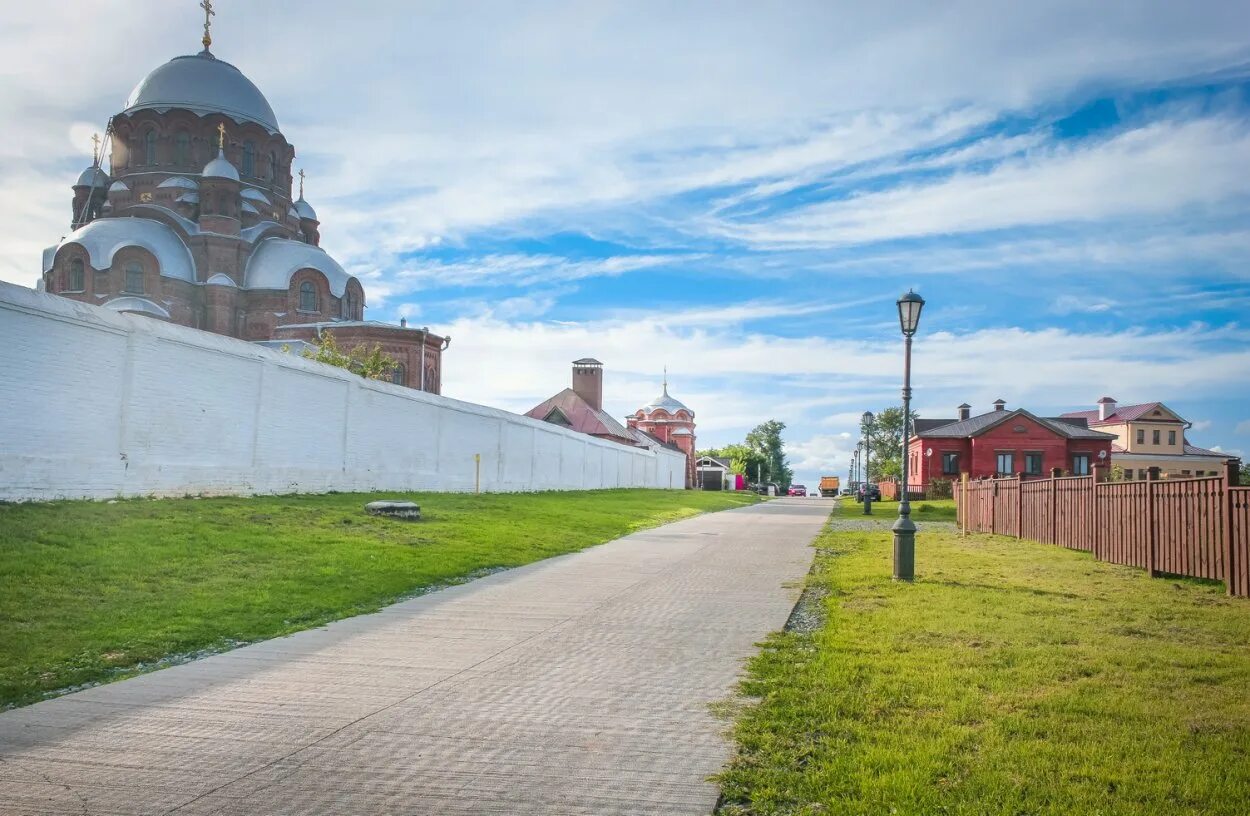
(1157, 168)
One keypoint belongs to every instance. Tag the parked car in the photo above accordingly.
(846, 491)
(874, 492)
(797, 490)
(762, 488)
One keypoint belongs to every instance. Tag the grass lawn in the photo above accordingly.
(90, 591)
(921, 509)
(1011, 678)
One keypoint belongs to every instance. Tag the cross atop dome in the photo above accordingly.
(207, 5)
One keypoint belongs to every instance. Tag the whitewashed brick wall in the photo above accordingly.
(95, 404)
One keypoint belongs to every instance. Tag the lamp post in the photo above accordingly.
(909, 307)
(859, 463)
(867, 468)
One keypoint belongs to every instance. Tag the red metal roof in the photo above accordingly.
(1124, 413)
(582, 417)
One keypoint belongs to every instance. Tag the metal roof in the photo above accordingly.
(105, 237)
(277, 259)
(1124, 413)
(667, 403)
(983, 422)
(203, 84)
(582, 417)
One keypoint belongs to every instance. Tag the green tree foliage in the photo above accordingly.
(1245, 475)
(761, 458)
(369, 362)
(886, 439)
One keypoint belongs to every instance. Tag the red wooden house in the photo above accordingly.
(1003, 443)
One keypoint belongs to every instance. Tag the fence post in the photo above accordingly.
(1101, 472)
(963, 501)
(1152, 529)
(1020, 505)
(1054, 505)
(1232, 475)
(993, 503)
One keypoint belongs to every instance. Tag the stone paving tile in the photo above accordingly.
(578, 685)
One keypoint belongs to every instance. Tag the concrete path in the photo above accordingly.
(578, 685)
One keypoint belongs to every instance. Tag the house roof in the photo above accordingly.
(974, 426)
(650, 440)
(1124, 413)
(725, 463)
(1190, 450)
(582, 417)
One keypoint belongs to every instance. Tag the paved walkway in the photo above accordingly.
(578, 685)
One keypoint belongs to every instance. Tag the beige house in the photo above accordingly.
(1151, 435)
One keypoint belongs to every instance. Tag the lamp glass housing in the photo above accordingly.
(909, 307)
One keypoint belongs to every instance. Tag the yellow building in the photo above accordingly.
(1151, 435)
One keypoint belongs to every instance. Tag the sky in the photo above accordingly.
(738, 191)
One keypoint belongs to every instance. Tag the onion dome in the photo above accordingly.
(220, 168)
(203, 84)
(305, 210)
(93, 176)
(667, 403)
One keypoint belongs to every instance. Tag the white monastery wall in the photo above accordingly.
(96, 404)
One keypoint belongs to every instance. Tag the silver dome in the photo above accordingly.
(93, 176)
(204, 84)
(305, 210)
(667, 403)
(220, 167)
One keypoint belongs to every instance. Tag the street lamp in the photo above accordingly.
(909, 307)
(866, 420)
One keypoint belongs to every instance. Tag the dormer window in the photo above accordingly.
(307, 297)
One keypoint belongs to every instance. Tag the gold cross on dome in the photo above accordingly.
(221, 135)
(95, 149)
(207, 5)
(301, 182)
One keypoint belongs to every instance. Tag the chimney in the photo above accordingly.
(403, 322)
(588, 381)
(965, 411)
(1000, 405)
(1106, 407)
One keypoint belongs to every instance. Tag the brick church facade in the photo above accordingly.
(197, 222)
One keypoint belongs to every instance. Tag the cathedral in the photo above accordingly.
(197, 222)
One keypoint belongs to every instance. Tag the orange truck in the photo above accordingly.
(829, 485)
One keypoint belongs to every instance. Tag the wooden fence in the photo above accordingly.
(1197, 527)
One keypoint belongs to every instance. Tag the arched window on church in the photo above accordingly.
(77, 276)
(399, 375)
(249, 159)
(134, 278)
(149, 147)
(182, 148)
(307, 297)
(273, 167)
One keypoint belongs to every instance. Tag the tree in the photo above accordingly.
(369, 362)
(1244, 475)
(765, 441)
(886, 440)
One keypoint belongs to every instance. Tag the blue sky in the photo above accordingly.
(737, 191)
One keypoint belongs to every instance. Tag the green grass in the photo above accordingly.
(90, 591)
(921, 509)
(1011, 678)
